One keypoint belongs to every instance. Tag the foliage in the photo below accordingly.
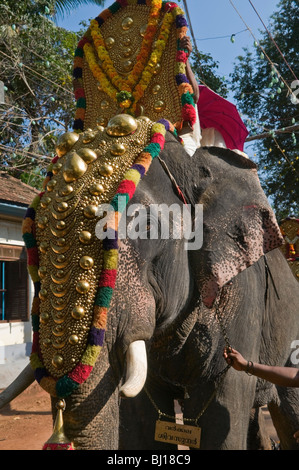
(262, 90)
(205, 69)
(36, 68)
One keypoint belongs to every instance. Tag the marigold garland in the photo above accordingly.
(290, 244)
(65, 385)
(142, 57)
(117, 84)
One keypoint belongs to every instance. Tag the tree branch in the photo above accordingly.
(265, 135)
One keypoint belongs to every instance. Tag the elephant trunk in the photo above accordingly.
(23, 381)
(136, 369)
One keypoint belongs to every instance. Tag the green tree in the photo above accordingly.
(205, 69)
(263, 89)
(36, 60)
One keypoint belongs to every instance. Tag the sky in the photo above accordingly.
(210, 20)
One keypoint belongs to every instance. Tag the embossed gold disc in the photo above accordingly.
(121, 125)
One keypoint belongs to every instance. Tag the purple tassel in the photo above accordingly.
(181, 78)
(181, 21)
(96, 336)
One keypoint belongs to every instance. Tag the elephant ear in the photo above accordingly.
(239, 225)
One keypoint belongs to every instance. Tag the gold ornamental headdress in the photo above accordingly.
(128, 64)
(130, 61)
(74, 274)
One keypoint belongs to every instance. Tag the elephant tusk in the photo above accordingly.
(24, 379)
(136, 369)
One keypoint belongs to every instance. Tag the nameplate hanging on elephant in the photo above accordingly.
(178, 434)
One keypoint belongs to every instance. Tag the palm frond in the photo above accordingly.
(65, 6)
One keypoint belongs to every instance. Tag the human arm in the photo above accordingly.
(186, 44)
(281, 376)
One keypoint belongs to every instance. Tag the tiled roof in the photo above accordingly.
(13, 191)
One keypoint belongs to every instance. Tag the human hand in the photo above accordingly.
(234, 359)
(296, 436)
(186, 44)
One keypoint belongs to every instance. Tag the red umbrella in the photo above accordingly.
(215, 111)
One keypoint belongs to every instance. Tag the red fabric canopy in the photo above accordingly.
(215, 111)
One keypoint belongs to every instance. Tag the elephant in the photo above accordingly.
(179, 307)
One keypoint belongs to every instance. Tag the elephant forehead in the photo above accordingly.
(240, 240)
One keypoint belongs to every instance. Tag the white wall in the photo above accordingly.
(11, 232)
(15, 337)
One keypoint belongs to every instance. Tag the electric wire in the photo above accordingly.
(273, 67)
(273, 40)
(262, 49)
(193, 39)
(222, 37)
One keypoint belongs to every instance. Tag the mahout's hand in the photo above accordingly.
(234, 359)
(186, 44)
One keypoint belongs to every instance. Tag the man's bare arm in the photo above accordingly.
(186, 44)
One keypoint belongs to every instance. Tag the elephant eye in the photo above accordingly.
(149, 222)
(143, 224)
(152, 223)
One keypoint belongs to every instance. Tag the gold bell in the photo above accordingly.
(58, 440)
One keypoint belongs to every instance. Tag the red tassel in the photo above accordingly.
(58, 446)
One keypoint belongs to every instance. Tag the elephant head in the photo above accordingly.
(156, 277)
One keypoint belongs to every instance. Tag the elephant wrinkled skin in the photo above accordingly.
(158, 299)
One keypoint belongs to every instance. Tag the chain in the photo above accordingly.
(222, 327)
(160, 413)
(222, 375)
(188, 420)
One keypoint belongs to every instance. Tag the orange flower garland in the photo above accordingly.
(154, 59)
(120, 83)
(107, 68)
(144, 68)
